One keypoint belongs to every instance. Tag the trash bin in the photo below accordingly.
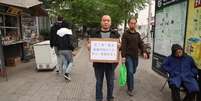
(45, 56)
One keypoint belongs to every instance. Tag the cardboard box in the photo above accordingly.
(13, 61)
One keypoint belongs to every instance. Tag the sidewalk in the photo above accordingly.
(25, 84)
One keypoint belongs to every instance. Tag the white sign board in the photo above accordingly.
(104, 50)
(170, 28)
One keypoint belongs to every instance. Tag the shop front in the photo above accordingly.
(16, 26)
(11, 37)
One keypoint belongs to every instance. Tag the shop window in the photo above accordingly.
(11, 21)
(1, 31)
(9, 29)
(1, 20)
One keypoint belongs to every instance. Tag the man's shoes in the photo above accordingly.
(110, 99)
(67, 76)
(57, 71)
(99, 100)
(130, 93)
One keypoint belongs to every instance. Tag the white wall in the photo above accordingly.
(143, 14)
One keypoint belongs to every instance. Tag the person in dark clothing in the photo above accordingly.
(182, 72)
(131, 43)
(62, 40)
(106, 69)
(199, 82)
(60, 23)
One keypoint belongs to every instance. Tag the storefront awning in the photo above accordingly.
(21, 3)
(33, 5)
(38, 11)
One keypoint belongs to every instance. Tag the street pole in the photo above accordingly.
(149, 20)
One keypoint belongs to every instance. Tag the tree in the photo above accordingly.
(88, 12)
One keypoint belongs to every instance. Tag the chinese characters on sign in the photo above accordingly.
(170, 27)
(193, 31)
(104, 50)
(162, 3)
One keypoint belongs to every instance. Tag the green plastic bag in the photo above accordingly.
(122, 75)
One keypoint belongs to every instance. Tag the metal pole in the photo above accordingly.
(37, 26)
(149, 20)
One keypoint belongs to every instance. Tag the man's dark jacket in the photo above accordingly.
(62, 43)
(131, 43)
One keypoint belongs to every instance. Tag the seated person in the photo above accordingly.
(182, 72)
(199, 82)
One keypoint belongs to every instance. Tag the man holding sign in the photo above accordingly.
(104, 68)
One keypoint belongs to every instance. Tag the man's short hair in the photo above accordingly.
(131, 18)
(60, 18)
(104, 16)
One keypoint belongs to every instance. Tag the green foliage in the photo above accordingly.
(88, 12)
(45, 33)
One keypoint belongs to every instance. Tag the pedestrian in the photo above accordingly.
(182, 73)
(61, 39)
(199, 82)
(106, 69)
(131, 43)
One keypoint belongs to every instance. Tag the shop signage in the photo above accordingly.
(14, 10)
(162, 3)
(193, 31)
